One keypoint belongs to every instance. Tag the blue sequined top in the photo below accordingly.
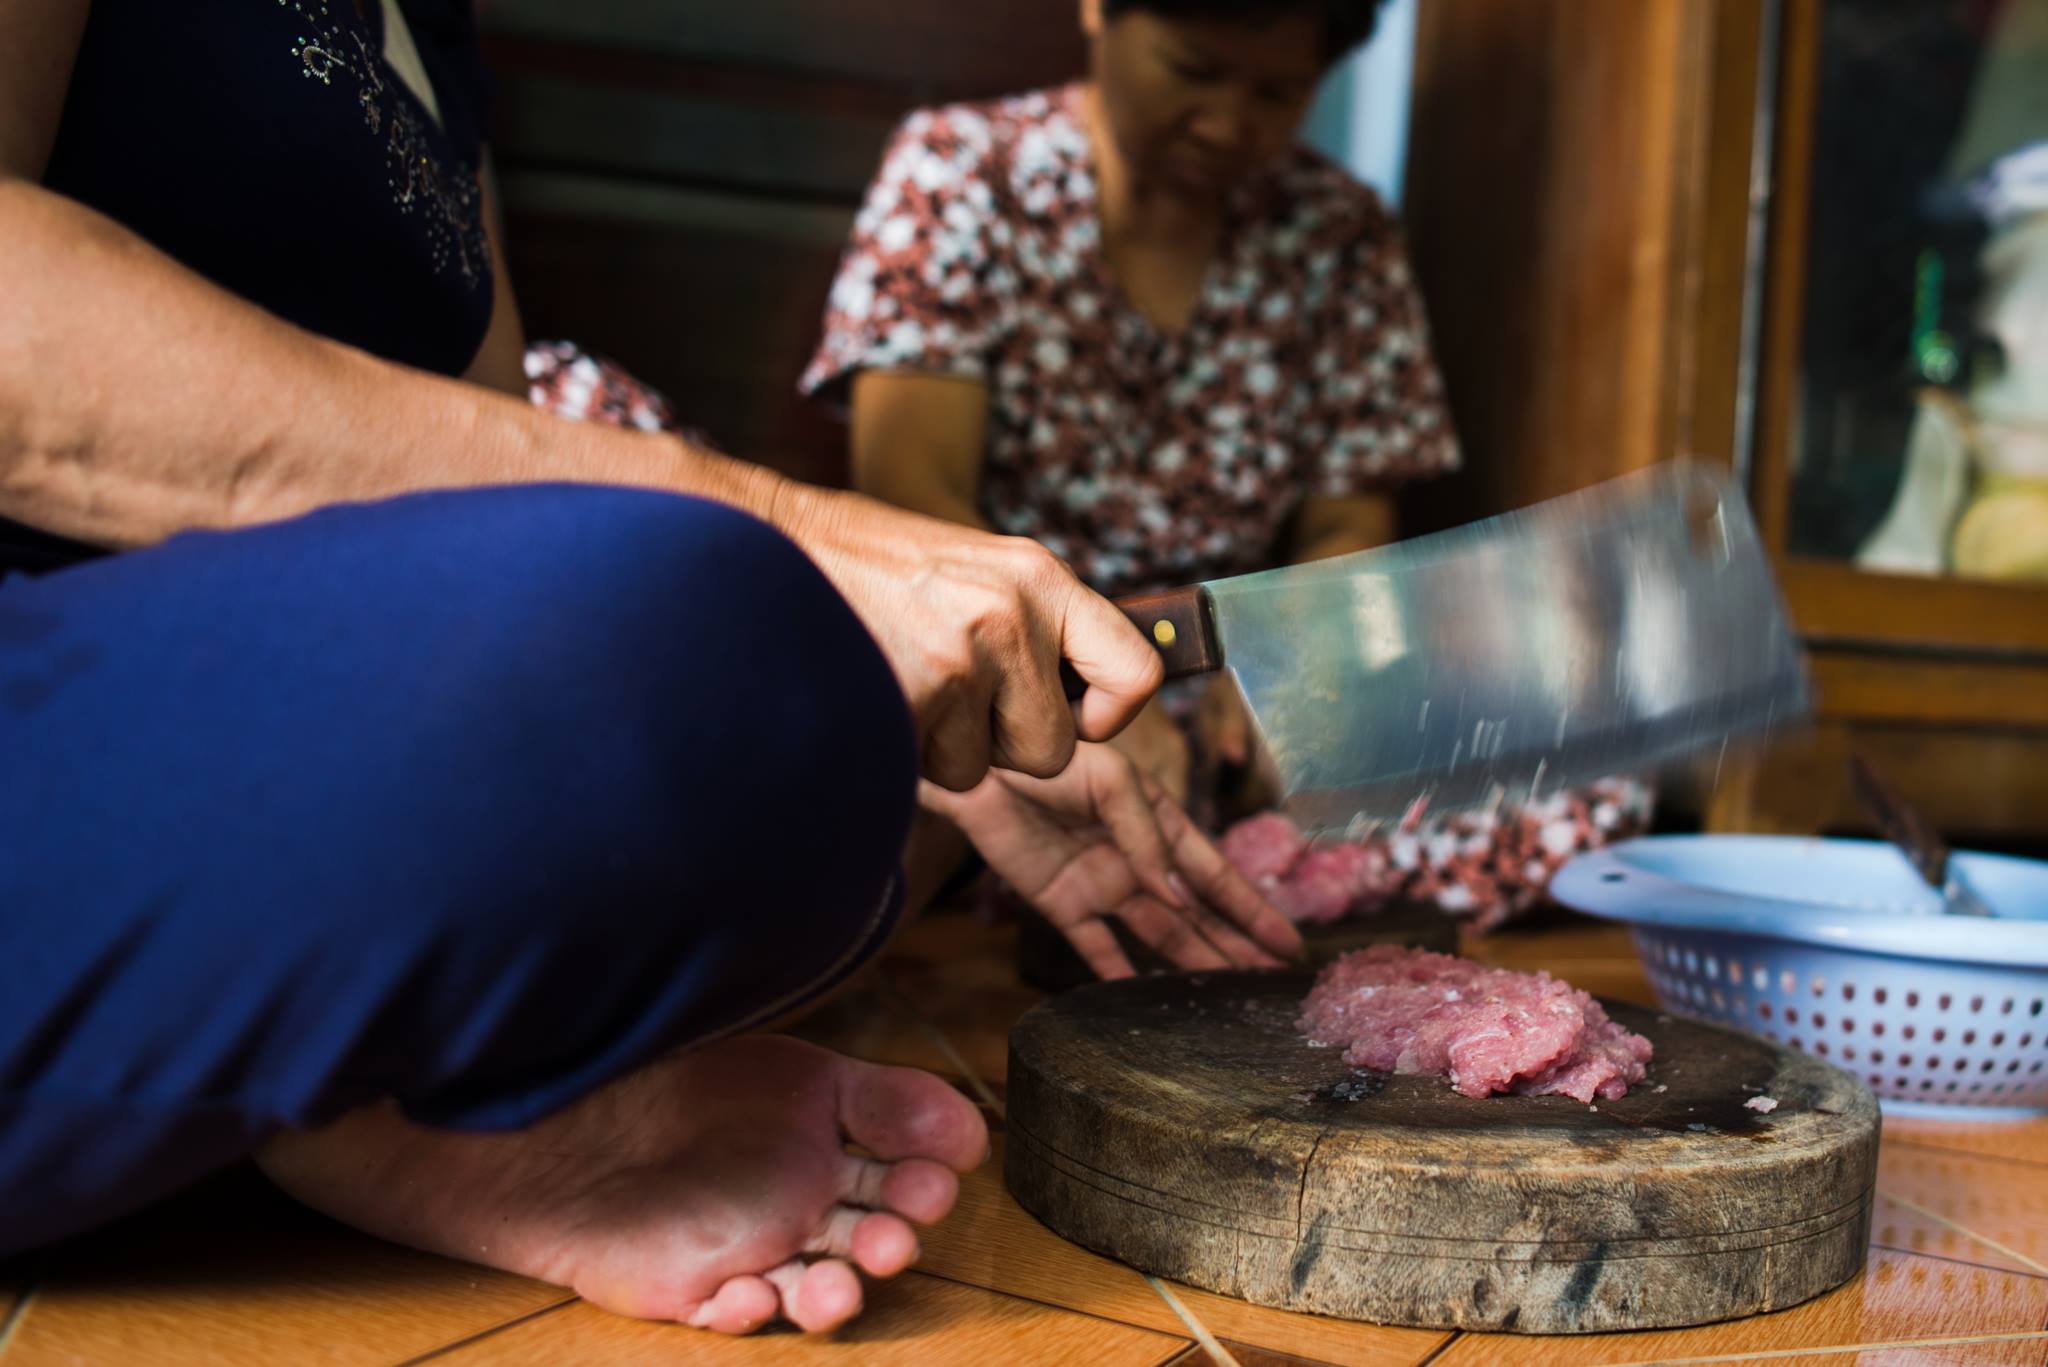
(269, 146)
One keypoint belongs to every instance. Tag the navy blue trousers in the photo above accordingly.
(471, 800)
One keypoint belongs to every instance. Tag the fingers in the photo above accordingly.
(1229, 940)
(740, 1306)
(1155, 743)
(817, 1297)
(1121, 667)
(1032, 723)
(880, 1244)
(1171, 933)
(1216, 881)
(1093, 940)
(1122, 802)
(957, 741)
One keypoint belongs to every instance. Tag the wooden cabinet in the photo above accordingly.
(679, 178)
(1612, 205)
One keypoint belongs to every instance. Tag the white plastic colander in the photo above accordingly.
(1836, 948)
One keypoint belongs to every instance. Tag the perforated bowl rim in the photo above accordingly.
(1612, 884)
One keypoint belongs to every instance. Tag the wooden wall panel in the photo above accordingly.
(679, 176)
(1554, 200)
(931, 49)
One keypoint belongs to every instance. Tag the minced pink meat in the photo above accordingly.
(1309, 883)
(1263, 848)
(1327, 882)
(1485, 1029)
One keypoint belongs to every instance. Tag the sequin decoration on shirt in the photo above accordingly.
(448, 201)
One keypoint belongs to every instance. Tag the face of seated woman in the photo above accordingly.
(1199, 94)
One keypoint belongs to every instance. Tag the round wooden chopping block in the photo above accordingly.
(1181, 1124)
(1048, 962)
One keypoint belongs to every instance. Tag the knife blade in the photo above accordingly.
(1603, 632)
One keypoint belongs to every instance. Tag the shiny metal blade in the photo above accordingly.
(1600, 633)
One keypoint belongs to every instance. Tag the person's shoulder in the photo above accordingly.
(989, 138)
(1326, 207)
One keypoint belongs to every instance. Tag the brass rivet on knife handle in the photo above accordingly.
(1178, 622)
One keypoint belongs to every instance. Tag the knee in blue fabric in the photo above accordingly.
(472, 799)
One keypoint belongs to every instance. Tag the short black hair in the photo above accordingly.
(1346, 23)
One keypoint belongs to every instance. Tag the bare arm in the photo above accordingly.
(138, 399)
(1337, 526)
(918, 442)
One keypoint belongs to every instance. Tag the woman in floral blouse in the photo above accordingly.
(1135, 319)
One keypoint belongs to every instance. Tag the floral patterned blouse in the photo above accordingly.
(1144, 458)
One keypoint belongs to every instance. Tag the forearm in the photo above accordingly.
(1326, 527)
(921, 496)
(137, 399)
(917, 442)
(1333, 542)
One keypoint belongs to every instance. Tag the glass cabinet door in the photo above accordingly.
(1919, 432)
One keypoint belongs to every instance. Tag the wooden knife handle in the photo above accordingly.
(1178, 623)
(1900, 822)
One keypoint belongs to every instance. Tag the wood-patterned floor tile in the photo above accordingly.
(1244, 1355)
(1970, 1354)
(1982, 1210)
(868, 1021)
(990, 1241)
(235, 1273)
(912, 1321)
(1316, 1337)
(2023, 1141)
(1899, 1296)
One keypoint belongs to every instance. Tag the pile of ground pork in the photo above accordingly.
(1485, 1029)
(1310, 884)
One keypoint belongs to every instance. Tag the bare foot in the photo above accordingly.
(692, 1190)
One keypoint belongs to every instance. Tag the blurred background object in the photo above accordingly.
(1802, 237)
(1797, 236)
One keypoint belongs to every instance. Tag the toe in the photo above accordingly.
(916, 1188)
(881, 1244)
(818, 1297)
(921, 1190)
(740, 1306)
(903, 1113)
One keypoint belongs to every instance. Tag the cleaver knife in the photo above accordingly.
(1604, 632)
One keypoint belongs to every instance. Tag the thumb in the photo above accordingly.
(1120, 667)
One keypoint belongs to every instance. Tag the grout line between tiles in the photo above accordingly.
(1441, 1348)
(953, 1056)
(1824, 1349)
(1954, 1261)
(482, 1334)
(1210, 1344)
(1985, 1239)
(16, 1313)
